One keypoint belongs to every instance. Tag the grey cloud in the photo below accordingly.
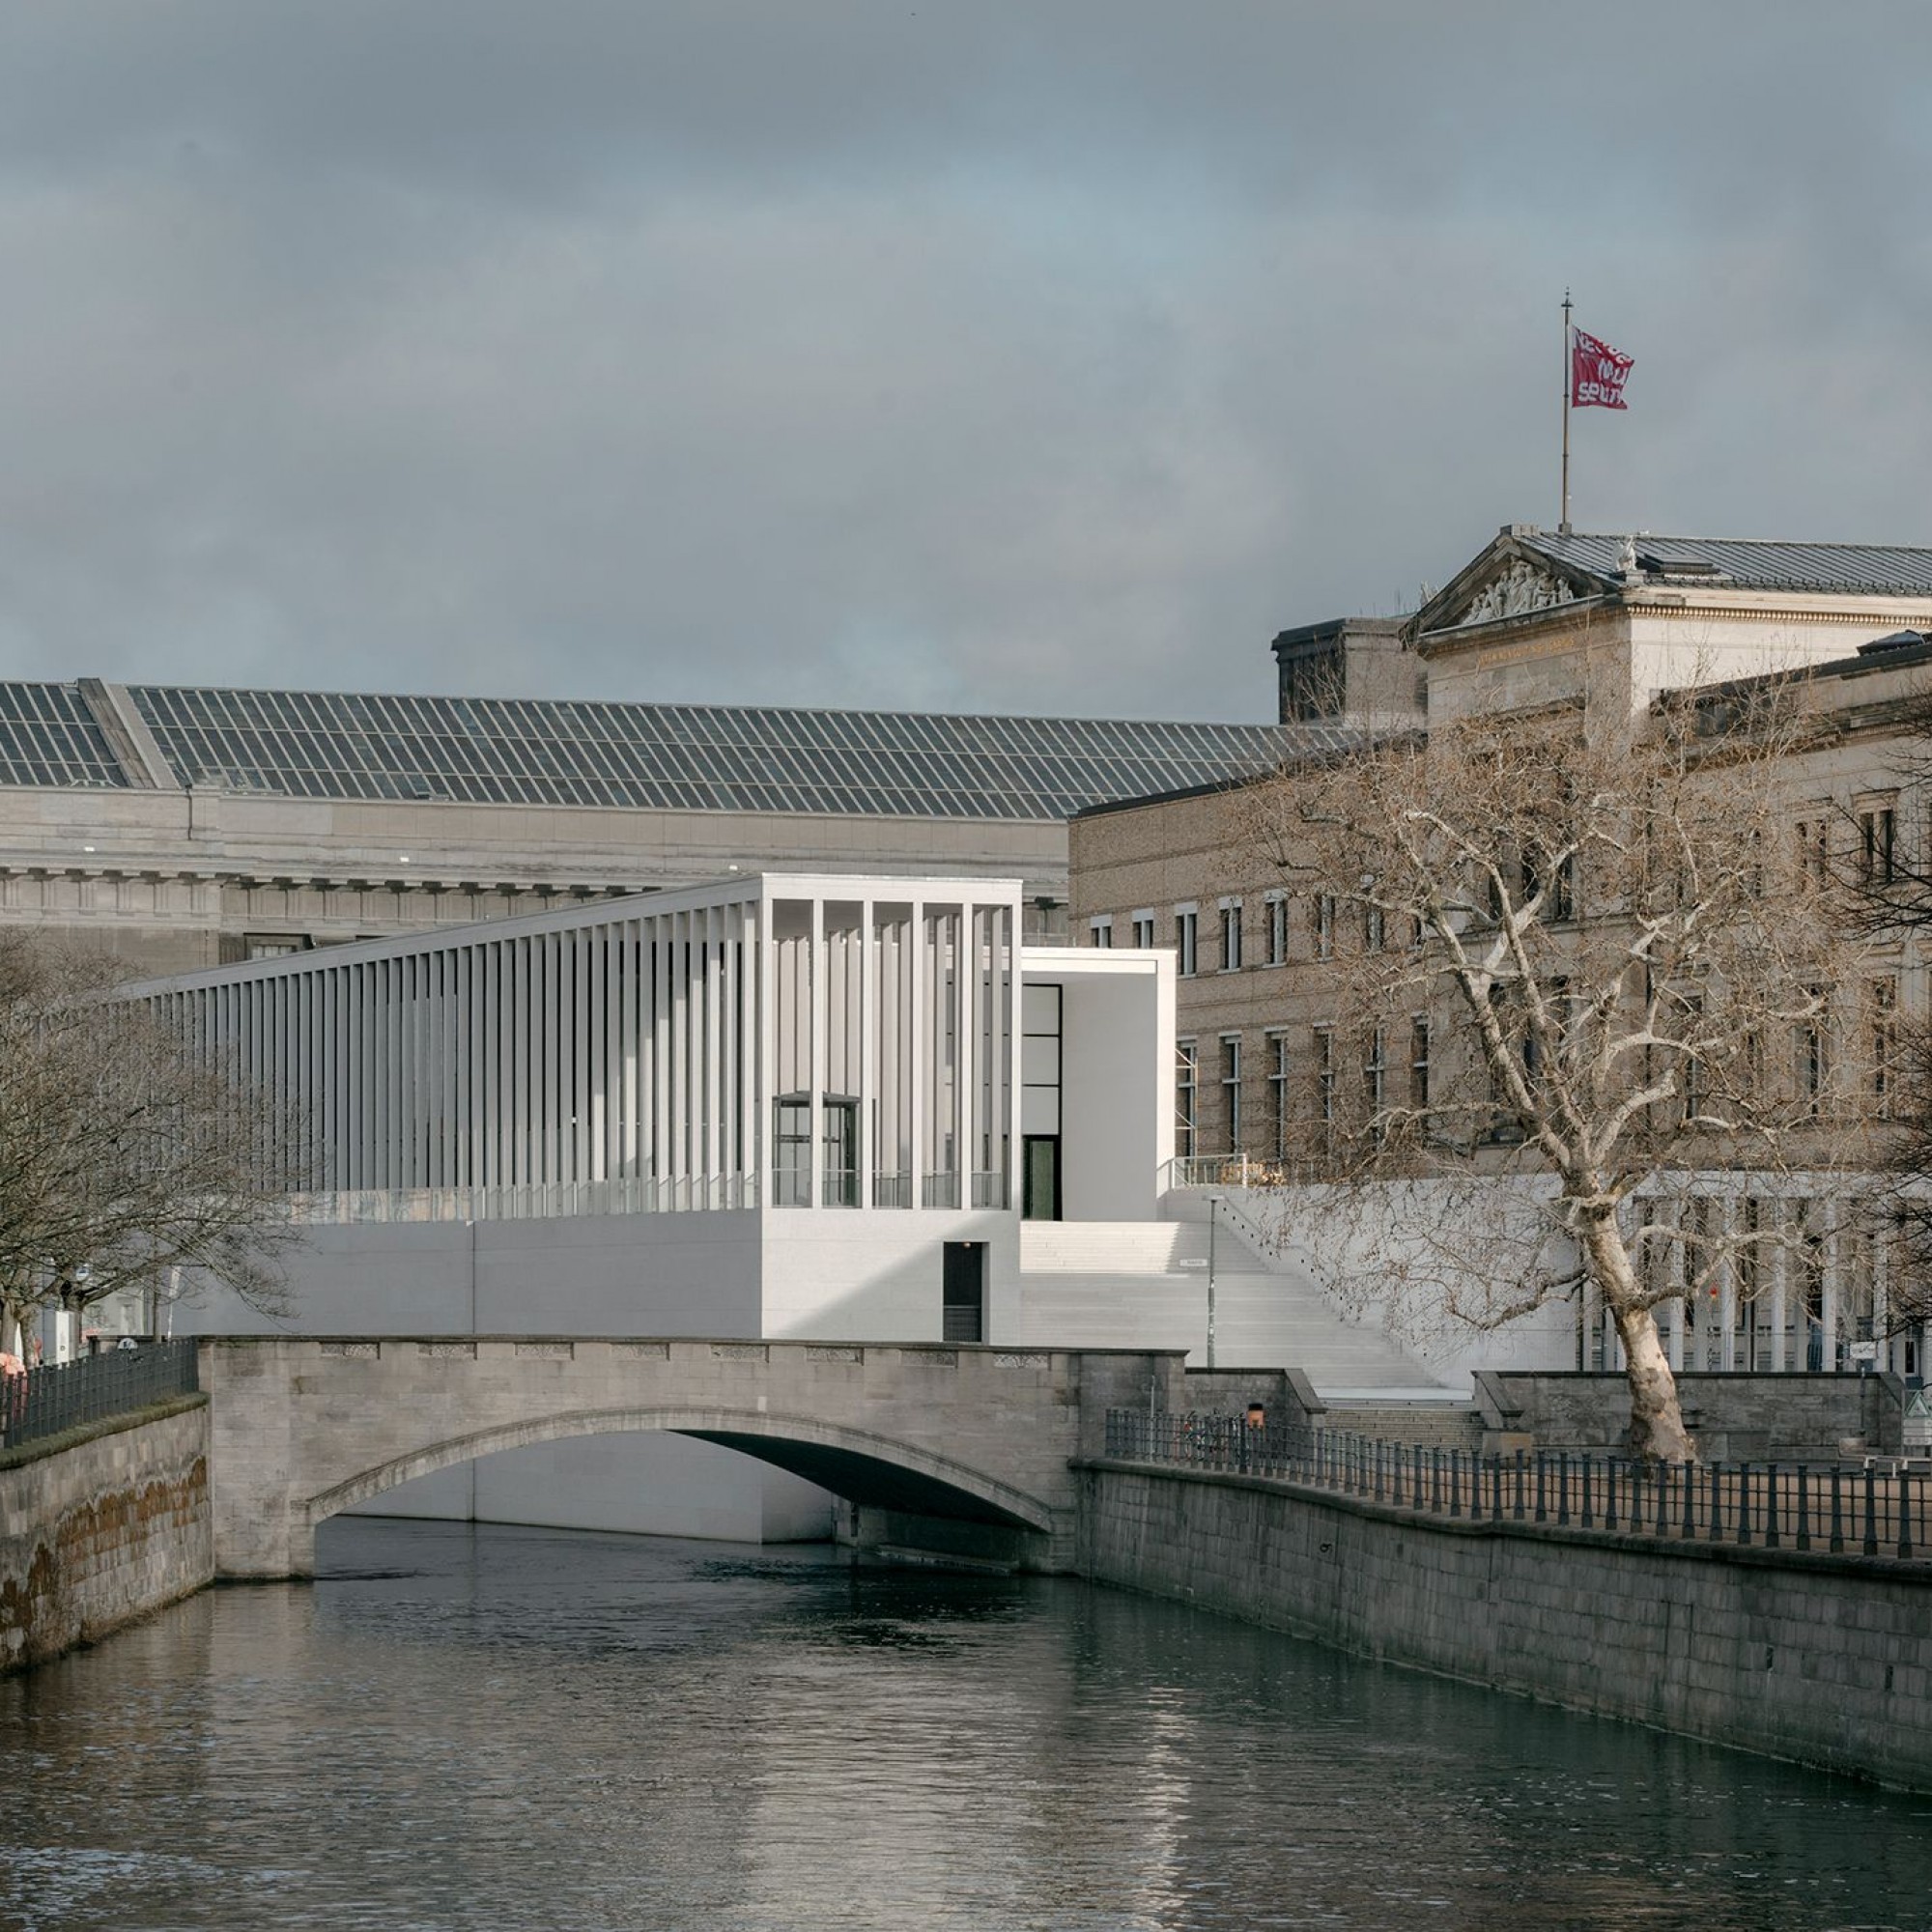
(1045, 357)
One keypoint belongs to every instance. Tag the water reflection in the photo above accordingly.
(504, 1729)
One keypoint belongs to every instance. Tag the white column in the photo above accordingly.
(714, 1084)
(766, 1020)
(864, 1151)
(1674, 1254)
(813, 1011)
(661, 956)
(966, 991)
(921, 1047)
(1831, 1296)
(1727, 1287)
(1778, 1261)
(1010, 1056)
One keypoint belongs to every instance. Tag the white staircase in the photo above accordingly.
(1121, 1284)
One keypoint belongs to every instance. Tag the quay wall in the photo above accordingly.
(1736, 1418)
(1823, 1660)
(102, 1525)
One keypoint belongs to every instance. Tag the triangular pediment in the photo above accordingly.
(1506, 581)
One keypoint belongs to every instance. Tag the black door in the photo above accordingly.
(964, 1293)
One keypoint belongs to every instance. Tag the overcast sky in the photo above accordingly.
(1045, 357)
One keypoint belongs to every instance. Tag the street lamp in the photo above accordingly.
(1213, 1211)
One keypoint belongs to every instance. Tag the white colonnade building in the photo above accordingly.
(783, 1042)
(788, 1105)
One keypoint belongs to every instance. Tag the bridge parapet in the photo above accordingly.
(304, 1427)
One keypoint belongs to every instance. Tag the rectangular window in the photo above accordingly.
(1231, 935)
(1102, 929)
(1323, 1062)
(1882, 1013)
(1809, 1052)
(1691, 1078)
(1375, 1078)
(1554, 883)
(1814, 845)
(1322, 919)
(1878, 844)
(1186, 940)
(1144, 929)
(1186, 1096)
(1418, 1063)
(1279, 1101)
(1230, 1088)
(1277, 913)
(791, 1135)
(1375, 928)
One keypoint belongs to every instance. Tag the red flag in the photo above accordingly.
(1597, 373)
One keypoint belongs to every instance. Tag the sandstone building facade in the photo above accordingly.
(1536, 621)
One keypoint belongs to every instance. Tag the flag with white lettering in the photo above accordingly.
(1597, 373)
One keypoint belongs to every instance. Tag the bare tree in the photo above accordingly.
(124, 1158)
(1626, 993)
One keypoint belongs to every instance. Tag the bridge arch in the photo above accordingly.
(863, 1467)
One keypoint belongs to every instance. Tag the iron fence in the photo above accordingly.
(1880, 1507)
(46, 1400)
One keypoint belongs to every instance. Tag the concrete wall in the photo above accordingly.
(1117, 1081)
(878, 1274)
(591, 1274)
(100, 1529)
(1821, 1659)
(1736, 1418)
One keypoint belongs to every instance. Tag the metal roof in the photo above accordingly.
(1872, 570)
(643, 757)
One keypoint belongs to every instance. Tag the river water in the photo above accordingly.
(504, 1729)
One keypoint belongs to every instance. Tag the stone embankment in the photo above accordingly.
(1821, 1659)
(100, 1525)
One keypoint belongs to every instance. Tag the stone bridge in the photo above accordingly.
(964, 1449)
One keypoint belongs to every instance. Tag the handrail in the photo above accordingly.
(1879, 1507)
(59, 1396)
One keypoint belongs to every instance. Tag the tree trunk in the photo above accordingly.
(1656, 1431)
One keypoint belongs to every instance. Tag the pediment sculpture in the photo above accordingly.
(1515, 589)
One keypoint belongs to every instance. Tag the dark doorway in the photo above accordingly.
(963, 1295)
(1040, 1182)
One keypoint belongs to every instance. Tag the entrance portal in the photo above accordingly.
(963, 1295)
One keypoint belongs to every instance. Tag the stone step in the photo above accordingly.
(1132, 1248)
(1419, 1424)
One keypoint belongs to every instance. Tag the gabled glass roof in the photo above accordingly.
(679, 757)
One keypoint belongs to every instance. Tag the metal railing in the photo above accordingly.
(1238, 1169)
(990, 1188)
(46, 1400)
(539, 1200)
(1880, 1507)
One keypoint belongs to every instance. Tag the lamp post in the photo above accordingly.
(1213, 1211)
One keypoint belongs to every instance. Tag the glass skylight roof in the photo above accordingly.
(681, 758)
(50, 737)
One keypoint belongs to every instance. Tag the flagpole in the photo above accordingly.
(1563, 527)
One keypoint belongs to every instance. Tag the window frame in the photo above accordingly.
(1187, 941)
